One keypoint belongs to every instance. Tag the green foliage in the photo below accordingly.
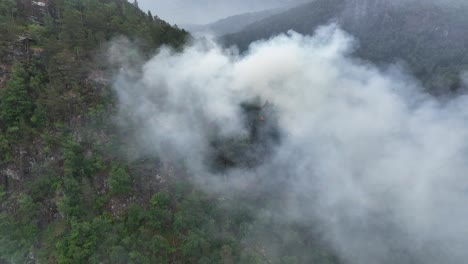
(2, 193)
(160, 200)
(8, 27)
(73, 203)
(5, 153)
(76, 164)
(19, 115)
(79, 245)
(44, 187)
(18, 232)
(16, 105)
(70, 204)
(7, 8)
(119, 180)
(119, 255)
(37, 32)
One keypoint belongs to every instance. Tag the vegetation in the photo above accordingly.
(67, 195)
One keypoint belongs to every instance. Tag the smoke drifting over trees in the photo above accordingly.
(375, 163)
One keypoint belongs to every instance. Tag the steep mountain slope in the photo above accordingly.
(430, 36)
(62, 190)
(73, 188)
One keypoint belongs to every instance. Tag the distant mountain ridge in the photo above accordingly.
(430, 36)
(234, 23)
(207, 11)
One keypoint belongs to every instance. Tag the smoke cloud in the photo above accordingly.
(364, 152)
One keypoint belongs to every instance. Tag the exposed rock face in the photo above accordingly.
(33, 10)
(6, 61)
(20, 50)
(39, 9)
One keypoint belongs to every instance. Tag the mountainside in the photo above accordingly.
(119, 143)
(74, 188)
(430, 36)
(67, 194)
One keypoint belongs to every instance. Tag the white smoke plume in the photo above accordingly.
(380, 165)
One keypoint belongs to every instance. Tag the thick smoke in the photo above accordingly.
(380, 165)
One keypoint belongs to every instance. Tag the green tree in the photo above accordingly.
(79, 245)
(16, 104)
(120, 181)
(18, 232)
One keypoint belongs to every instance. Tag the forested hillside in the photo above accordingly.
(69, 193)
(431, 37)
(121, 143)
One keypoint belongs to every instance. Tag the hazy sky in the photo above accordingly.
(205, 11)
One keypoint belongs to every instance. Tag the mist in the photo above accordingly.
(205, 11)
(365, 153)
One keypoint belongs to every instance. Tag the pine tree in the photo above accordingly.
(150, 15)
(15, 102)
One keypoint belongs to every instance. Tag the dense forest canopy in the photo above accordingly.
(69, 193)
(125, 140)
